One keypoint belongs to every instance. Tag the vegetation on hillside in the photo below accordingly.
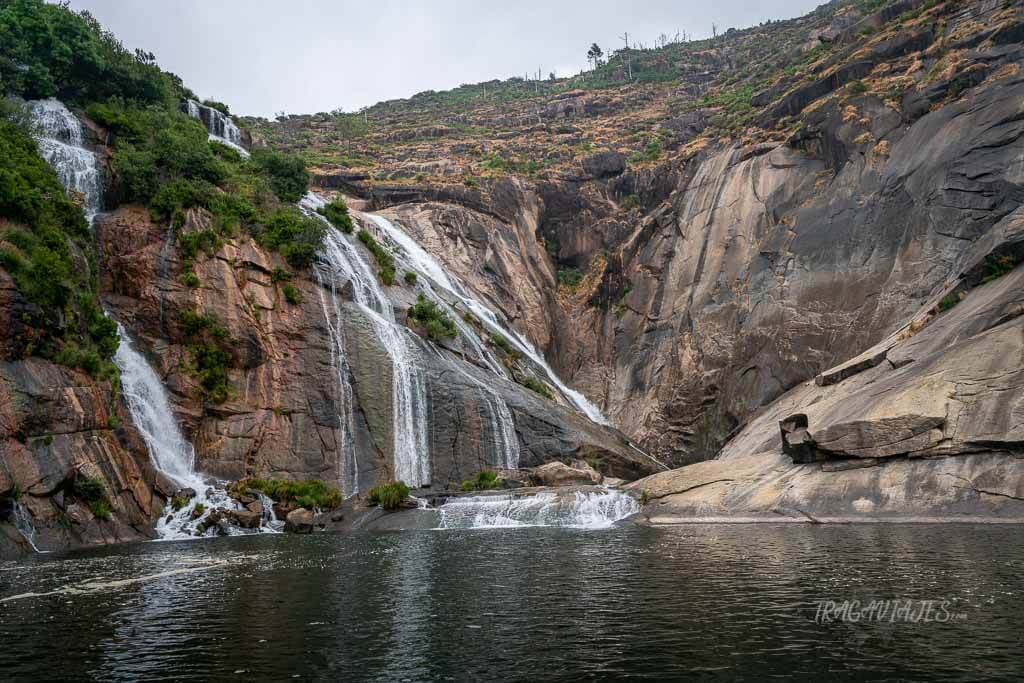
(311, 494)
(161, 158)
(46, 247)
(46, 50)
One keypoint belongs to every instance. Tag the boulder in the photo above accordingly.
(299, 521)
(560, 474)
(245, 519)
(604, 164)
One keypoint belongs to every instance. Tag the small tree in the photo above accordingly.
(594, 54)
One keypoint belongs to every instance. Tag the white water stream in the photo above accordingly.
(60, 139)
(585, 509)
(220, 126)
(341, 263)
(61, 143)
(426, 265)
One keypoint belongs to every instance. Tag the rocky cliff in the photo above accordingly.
(828, 238)
(714, 282)
(284, 415)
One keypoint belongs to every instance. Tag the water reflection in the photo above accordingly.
(714, 601)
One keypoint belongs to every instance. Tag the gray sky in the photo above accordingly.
(305, 56)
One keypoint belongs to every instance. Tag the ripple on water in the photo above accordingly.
(535, 603)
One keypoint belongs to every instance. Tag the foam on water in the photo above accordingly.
(585, 510)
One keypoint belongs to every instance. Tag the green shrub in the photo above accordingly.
(308, 493)
(189, 279)
(178, 502)
(410, 277)
(948, 302)
(189, 244)
(40, 230)
(502, 343)
(996, 267)
(219, 106)
(337, 213)
(198, 510)
(484, 481)
(434, 320)
(390, 495)
(631, 202)
(569, 277)
(296, 236)
(857, 87)
(93, 493)
(651, 152)
(536, 385)
(288, 175)
(211, 352)
(280, 275)
(113, 422)
(291, 294)
(385, 261)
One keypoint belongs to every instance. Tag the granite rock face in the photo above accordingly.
(59, 428)
(750, 269)
(284, 417)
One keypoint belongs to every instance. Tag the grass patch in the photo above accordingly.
(948, 302)
(485, 480)
(534, 384)
(390, 495)
(410, 277)
(308, 493)
(570, 277)
(189, 279)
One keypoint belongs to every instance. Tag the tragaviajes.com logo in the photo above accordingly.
(887, 611)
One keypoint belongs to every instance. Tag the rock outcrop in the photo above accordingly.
(283, 417)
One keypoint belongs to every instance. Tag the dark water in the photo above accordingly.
(717, 602)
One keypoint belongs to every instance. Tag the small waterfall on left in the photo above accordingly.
(59, 137)
(23, 523)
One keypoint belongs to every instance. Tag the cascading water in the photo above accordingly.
(171, 452)
(219, 125)
(59, 136)
(584, 509)
(340, 263)
(23, 523)
(428, 266)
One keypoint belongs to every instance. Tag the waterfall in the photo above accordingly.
(220, 126)
(23, 523)
(341, 263)
(170, 451)
(59, 136)
(585, 509)
(268, 517)
(151, 412)
(428, 266)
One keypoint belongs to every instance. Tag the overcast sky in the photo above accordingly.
(304, 56)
